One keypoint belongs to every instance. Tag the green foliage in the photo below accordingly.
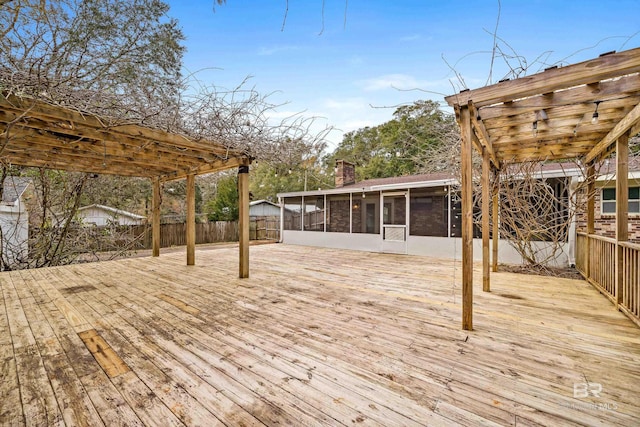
(267, 180)
(395, 148)
(224, 206)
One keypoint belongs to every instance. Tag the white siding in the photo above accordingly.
(14, 224)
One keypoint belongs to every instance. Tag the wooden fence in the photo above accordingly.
(596, 260)
(260, 228)
(264, 228)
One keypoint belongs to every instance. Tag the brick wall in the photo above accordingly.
(338, 216)
(605, 225)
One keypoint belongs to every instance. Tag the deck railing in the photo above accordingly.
(596, 260)
(630, 298)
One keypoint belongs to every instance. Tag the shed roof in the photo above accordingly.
(260, 202)
(112, 211)
(13, 187)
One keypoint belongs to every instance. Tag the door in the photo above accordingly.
(394, 222)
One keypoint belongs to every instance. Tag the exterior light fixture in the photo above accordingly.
(595, 116)
(541, 115)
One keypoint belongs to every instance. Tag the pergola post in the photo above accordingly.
(155, 218)
(243, 196)
(486, 185)
(591, 207)
(496, 220)
(622, 208)
(467, 220)
(191, 219)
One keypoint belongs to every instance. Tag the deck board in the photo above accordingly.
(313, 337)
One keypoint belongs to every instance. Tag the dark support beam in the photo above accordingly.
(622, 207)
(243, 204)
(155, 218)
(191, 219)
(467, 219)
(495, 217)
(486, 200)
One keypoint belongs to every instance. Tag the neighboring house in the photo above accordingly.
(14, 221)
(100, 216)
(260, 208)
(414, 214)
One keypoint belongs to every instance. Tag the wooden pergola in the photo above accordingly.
(38, 134)
(585, 111)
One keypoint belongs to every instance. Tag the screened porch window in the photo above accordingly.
(429, 212)
(609, 200)
(365, 213)
(314, 213)
(293, 213)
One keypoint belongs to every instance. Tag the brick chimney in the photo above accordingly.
(345, 173)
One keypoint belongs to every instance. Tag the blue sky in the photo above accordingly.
(353, 74)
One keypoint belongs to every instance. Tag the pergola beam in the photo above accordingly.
(591, 71)
(243, 205)
(482, 135)
(486, 188)
(622, 209)
(467, 219)
(65, 118)
(191, 220)
(155, 218)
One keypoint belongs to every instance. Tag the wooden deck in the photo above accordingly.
(314, 337)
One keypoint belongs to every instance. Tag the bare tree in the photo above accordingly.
(121, 60)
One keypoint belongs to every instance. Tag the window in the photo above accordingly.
(293, 213)
(429, 212)
(313, 213)
(365, 213)
(609, 200)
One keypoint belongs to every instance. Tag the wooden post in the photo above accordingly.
(591, 195)
(495, 216)
(467, 220)
(191, 219)
(486, 186)
(155, 218)
(243, 204)
(622, 208)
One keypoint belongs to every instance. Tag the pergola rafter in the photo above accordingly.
(35, 133)
(542, 117)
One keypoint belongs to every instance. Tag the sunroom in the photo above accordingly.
(417, 215)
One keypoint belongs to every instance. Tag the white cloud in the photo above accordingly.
(267, 51)
(403, 82)
(347, 104)
(410, 38)
(356, 60)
